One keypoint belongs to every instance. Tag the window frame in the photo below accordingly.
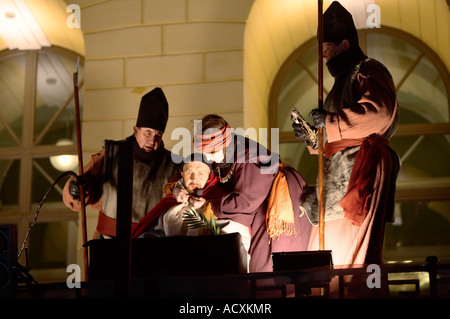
(28, 149)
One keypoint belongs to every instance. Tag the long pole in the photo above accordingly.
(320, 106)
(123, 242)
(80, 169)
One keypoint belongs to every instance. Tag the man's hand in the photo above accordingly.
(180, 194)
(74, 187)
(196, 202)
(303, 136)
(299, 132)
(319, 117)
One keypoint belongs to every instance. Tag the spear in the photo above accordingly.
(80, 168)
(320, 130)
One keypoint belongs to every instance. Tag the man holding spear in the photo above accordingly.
(359, 116)
(153, 165)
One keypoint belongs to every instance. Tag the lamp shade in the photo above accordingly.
(19, 28)
(64, 163)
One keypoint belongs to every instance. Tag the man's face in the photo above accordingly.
(195, 175)
(148, 139)
(331, 49)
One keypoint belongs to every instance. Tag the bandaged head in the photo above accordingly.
(213, 135)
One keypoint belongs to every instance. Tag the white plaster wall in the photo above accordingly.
(192, 49)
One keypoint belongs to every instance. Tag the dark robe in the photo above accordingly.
(254, 170)
(360, 173)
(151, 171)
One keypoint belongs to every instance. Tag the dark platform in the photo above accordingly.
(169, 256)
(297, 260)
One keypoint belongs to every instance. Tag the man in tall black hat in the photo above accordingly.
(153, 165)
(359, 117)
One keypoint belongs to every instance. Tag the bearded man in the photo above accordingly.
(199, 187)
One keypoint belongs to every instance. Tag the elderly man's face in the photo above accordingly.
(148, 139)
(195, 175)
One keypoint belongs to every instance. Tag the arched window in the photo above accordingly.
(37, 124)
(422, 140)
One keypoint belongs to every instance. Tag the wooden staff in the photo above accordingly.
(80, 170)
(320, 106)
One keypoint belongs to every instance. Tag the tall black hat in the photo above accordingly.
(338, 25)
(153, 111)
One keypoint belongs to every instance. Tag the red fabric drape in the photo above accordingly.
(107, 225)
(366, 170)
